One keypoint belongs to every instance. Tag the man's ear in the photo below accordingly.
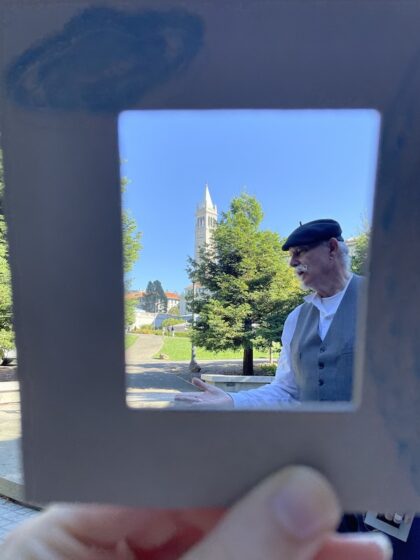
(333, 246)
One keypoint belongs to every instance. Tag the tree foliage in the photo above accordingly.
(174, 310)
(1, 184)
(154, 299)
(6, 313)
(245, 287)
(359, 258)
(131, 248)
(131, 235)
(129, 312)
(170, 322)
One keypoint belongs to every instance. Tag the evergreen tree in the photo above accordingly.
(154, 299)
(245, 287)
(358, 261)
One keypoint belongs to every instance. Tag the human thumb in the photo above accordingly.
(286, 517)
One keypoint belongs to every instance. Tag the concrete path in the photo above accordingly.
(145, 347)
(152, 383)
(11, 478)
(8, 373)
(12, 515)
(155, 389)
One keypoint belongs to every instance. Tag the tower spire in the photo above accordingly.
(206, 219)
(207, 198)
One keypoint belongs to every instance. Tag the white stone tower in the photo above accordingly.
(205, 221)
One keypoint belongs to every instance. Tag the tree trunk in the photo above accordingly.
(248, 361)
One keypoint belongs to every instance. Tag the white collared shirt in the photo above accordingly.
(283, 388)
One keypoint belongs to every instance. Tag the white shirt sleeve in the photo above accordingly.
(283, 389)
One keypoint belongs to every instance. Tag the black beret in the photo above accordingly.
(318, 230)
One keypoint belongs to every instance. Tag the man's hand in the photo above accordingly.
(209, 397)
(289, 516)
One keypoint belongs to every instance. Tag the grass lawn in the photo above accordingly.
(130, 339)
(179, 349)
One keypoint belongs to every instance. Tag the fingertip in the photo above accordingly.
(198, 382)
(363, 546)
(291, 513)
(384, 545)
(304, 502)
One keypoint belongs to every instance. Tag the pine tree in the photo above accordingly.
(246, 288)
(154, 299)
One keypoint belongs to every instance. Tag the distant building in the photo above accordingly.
(183, 303)
(143, 319)
(173, 299)
(138, 295)
(205, 222)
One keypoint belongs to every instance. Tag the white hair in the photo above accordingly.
(344, 255)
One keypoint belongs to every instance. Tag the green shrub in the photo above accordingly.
(170, 322)
(268, 369)
(147, 329)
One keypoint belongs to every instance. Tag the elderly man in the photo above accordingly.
(316, 360)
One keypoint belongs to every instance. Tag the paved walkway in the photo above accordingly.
(145, 347)
(12, 515)
(10, 459)
(8, 373)
(153, 383)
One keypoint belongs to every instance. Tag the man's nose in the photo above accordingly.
(294, 261)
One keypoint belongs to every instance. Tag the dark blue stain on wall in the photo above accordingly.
(104, 60)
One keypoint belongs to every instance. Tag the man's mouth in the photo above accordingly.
(300, 270)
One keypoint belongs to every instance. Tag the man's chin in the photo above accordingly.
(303, 285)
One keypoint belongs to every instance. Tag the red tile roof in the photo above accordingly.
(172, 295)
(135, 295)
(140, 293)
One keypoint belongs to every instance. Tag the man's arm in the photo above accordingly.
(282, 391)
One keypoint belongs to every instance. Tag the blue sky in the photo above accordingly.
(300, 165)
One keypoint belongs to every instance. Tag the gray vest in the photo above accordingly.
(324, 369)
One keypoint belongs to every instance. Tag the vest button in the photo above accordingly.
(322, 349)
(321, 365)
(320, 382)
